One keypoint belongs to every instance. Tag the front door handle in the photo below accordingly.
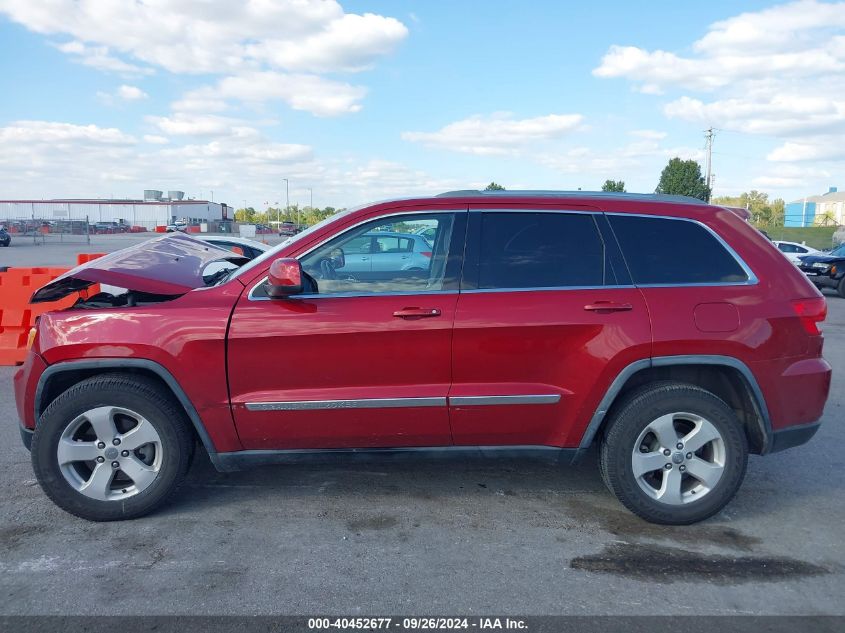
(417, 313)
(608, 306)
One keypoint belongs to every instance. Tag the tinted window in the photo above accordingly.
(786, 248)
(539, 250)
(667, 251)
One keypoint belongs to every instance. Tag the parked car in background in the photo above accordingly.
(286, 229)
(178, 225)
(110, 227)
(794, 250)
(826, 270)
(380, 254)
(664, 331)
(5, 238)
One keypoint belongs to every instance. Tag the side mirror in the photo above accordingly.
(285, 278)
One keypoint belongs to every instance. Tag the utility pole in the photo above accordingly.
(311, 198)
(287, 201)
(708, 135)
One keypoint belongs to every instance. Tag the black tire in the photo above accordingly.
(135, 393)
(841, 288)
(634, 414)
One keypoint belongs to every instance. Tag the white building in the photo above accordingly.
(154, 210)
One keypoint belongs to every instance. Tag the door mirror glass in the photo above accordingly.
(285, 278)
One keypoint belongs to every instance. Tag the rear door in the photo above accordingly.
(546, 318)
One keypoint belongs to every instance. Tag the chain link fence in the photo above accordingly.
(44, 230)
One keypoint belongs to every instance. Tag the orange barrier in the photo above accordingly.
(161, 229)
(17, 315)
(84, 258)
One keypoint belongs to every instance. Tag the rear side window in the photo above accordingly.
(539, 250)
(669, 251)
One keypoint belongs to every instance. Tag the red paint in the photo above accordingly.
(569, 342)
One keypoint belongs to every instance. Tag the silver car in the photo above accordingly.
(373, 254)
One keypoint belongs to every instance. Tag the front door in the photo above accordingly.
(365, 361)
(547, 316)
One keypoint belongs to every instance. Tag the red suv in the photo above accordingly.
(666, 331)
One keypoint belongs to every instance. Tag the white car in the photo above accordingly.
(793, 250)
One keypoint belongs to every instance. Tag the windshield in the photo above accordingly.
(839, 251)
(273, 252)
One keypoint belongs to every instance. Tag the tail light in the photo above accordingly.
(811, 312)
(425, 253)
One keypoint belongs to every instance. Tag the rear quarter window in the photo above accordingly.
(674, 251)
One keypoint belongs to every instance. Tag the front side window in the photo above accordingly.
(540, 250)
(674, 252)
(380, 257)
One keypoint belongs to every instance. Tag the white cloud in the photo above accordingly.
(498, 133)
(794, 40)
(322, 97)
(653, 135)
(263, 50)
(290, 43)
(45, 158)
(49, 132)
(123, 93)
(792, 177)
(774, 114)
(203, 37)
(778, 72)
(100, 58)
(350, 43)
(819, 149)
(131, 93)
(646, 155)
(183, 124)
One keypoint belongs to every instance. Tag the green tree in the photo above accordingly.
(764, 213)
(614, 185)
(245, 215)
(493, 186)
(683, 178)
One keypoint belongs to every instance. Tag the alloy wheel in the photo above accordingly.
(678, 458)
(109, 453)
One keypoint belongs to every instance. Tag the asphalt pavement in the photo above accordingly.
(413, 536)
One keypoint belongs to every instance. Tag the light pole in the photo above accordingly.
(311, 198)
(287, 199)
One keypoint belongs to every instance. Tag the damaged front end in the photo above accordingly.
(157, 270)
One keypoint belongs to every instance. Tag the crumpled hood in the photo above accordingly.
(168, 265)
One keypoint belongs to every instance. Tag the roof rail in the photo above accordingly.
(651, 197)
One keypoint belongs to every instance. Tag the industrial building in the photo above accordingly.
(154, 210)
(827, 209)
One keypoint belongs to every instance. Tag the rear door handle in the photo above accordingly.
(608, 306)
(417, 313)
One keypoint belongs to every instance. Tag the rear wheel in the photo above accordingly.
(112, 447)
(674, 453)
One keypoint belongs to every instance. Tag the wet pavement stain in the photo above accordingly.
(623, 523)
(664, 565)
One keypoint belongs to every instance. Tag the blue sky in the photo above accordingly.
(365, 100)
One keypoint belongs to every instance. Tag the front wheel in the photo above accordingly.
(112, 447)
(841, 288)
(674, 453)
